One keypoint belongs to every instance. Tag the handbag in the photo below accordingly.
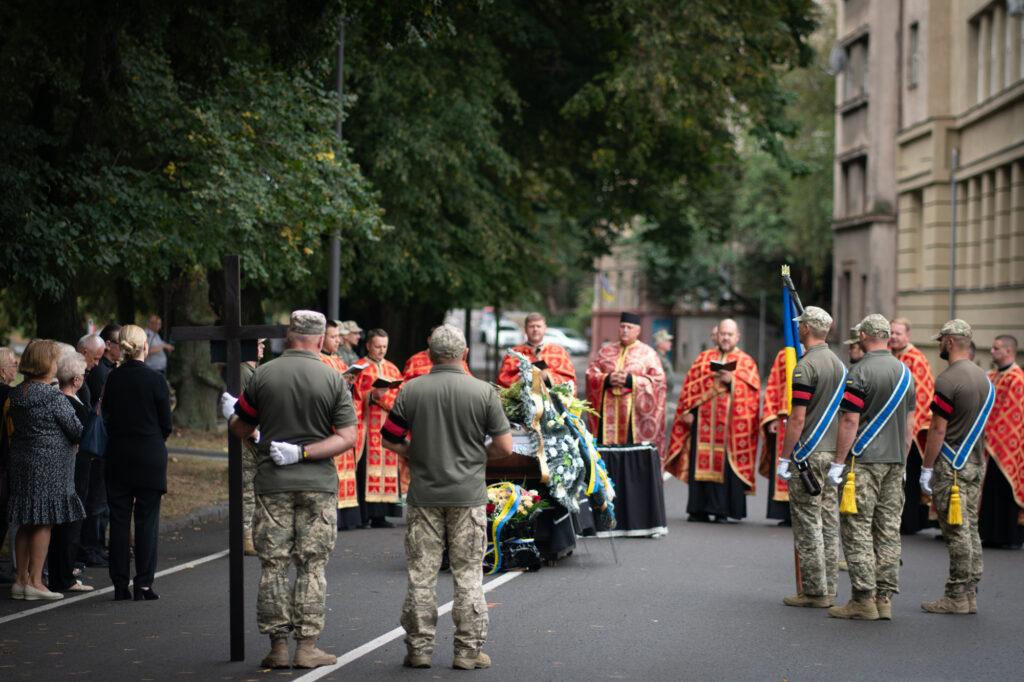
(94, 435)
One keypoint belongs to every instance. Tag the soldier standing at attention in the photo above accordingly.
(450, 413)
(875, 428)
(963, 399)
(304, 412)
(818, 383)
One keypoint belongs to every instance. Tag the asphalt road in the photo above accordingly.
(703, 602)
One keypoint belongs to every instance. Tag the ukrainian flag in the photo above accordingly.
(793, 350)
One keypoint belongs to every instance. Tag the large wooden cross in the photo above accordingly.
(232, 333)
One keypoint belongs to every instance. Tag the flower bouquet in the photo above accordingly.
(511, 510)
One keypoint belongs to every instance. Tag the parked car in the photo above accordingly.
(509, 333)
(569, 339)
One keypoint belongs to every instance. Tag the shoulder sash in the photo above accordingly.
(805, 448)
(876, 425)
(958, 458)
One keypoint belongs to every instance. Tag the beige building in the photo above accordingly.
(929, 191)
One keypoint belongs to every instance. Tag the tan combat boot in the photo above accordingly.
(946, 604)
(278, 656)
(308, 656)
(481, 660)
(810, 601)
(248, 548)
(416, 661)
(856, 609)
(884, 606)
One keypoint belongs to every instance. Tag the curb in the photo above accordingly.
(213, 512)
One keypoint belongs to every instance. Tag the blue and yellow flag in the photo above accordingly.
(793, 350)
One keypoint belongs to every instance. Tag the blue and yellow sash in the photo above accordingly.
(876, 425)
(506, 513)
(804, 449)
(958, 458)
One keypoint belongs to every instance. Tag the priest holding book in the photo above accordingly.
(377, 473)
(714, 437)
(551, 360)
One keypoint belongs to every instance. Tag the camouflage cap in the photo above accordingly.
(815, 318)
(308, 322)
(874, 325)
(447, 342)
(351, 327)
(954, 328)
(854, 337)
(662, 335)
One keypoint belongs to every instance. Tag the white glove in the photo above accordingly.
(926, 479)
(227, 405)
(284, 454)
(783, 470)
(835, 473)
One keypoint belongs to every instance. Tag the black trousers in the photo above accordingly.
(94, 528)
(64, 538)
(126, 501)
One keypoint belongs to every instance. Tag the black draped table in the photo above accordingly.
(635, 471)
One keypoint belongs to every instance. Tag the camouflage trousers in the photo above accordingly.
(248, 491)
(816, 528)
(299, 528)
(465, 531)
(962, 541)
(871, 537)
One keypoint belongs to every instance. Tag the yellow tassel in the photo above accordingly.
(955, 517)
(848, 505)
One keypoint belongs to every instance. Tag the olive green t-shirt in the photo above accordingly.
(960, 391)
(295, 398)
(816, 379)
(869, 385)
(447, 414)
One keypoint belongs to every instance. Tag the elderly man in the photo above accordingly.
(296, 485)
(875, 430)
(558, 367)
(962, 402)
(158, 348)
(439, 424)
(378, 474)
(349, 332)
(714, 436)
(915, 509)
(91, 347)
(1001, 519)
(626, 387)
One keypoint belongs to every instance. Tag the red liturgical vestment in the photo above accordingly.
(775, 407)
(420, 364)
(1004, 431)
(919, 368)
(345, 463)
(382, 477)
(559, 364)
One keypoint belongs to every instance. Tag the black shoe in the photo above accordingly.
(122, 594)
(698, 518)
(145, 594)
(381, 523)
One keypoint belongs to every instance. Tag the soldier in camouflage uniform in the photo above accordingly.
(816, 379)
(296, 485)
(960, 393)
(871, 537)
(450, 414)
(249, 456)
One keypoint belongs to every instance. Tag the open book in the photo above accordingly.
(356, 369)
(727, 366)
(384, 383)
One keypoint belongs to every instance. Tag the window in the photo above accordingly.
(913, 56)
(856, 77)
(854, 186)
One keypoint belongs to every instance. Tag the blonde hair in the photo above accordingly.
(132, 340)
(39, 358)
(900, 320)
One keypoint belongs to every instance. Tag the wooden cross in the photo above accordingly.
(232, 333)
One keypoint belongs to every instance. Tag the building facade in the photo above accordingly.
(929, 191)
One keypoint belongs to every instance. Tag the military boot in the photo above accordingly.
(884, 606)
(278, 656)
(947, 604)
(248, 548)
(308, 656)
(481, 660)
(856, 609)
(808, 600)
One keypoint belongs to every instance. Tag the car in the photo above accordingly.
(569, 339)
(509, 333)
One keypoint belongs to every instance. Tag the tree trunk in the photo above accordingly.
(196, 383)
(60, 319)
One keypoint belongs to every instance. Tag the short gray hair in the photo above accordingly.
(70, 364)
(447, 343)
(90, 342)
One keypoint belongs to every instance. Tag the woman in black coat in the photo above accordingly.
(137, 412)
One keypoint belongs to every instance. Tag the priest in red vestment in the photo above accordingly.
(774, 412)
(378, 469)
(559, 367)
(714, 435)
(419, 364)
(626, 387)
(915, 508)
(1001, 519)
